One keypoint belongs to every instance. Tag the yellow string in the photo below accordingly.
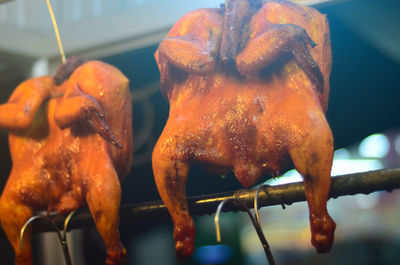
(56, 31)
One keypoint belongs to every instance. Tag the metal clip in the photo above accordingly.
(256, 201)
(62, 235)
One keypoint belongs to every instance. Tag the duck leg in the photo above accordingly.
(170, 173)
(312, 156)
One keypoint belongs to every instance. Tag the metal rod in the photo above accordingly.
(364, 183)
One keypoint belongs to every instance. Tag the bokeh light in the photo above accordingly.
(375, 145)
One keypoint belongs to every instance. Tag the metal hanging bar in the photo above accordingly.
(130, 215)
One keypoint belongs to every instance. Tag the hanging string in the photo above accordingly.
(56, 31)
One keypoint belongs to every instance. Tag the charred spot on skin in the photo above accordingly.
(314, 158)
(329, 142)
(98, 214)
(176, 171)
(65, 70)
(210, 34)
(259, 105)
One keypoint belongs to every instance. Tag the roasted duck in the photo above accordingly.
(70, 142)
(248, 89)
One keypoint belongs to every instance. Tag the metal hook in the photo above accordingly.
(256, 225)
(256, 202)
(62, 235)
(66, 221)
(64, 243)
(25, 226)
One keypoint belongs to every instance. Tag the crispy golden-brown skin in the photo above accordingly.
(68, 143)
(248, 89)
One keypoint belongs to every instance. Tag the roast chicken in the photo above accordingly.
(70, 139)
(248, 89)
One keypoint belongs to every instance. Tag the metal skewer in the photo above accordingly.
(357, 183)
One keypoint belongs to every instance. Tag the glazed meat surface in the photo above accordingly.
(248, 90)
(70, 141)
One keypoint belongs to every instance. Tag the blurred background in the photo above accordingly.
(363, 113)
